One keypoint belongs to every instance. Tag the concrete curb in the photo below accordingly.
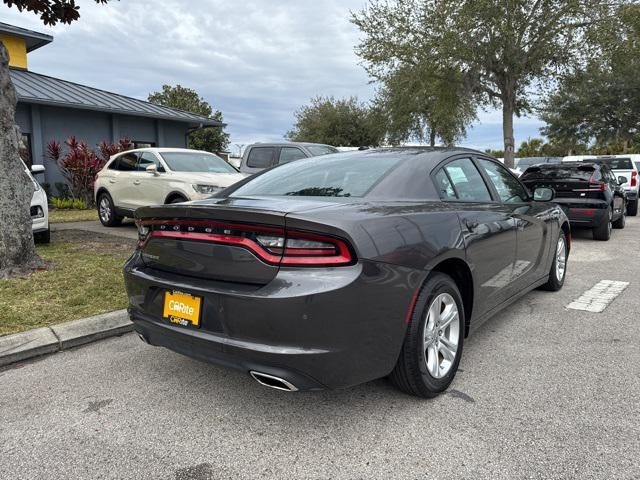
(45, 340)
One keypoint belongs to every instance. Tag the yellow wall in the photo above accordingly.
(17, 48)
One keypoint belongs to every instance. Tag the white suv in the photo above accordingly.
(153, 176)
(39, 208)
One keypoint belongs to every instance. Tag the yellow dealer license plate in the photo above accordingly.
(182, 308)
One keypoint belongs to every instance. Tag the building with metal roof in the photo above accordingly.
(54, 109)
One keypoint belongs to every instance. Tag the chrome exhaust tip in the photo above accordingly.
(273, 382)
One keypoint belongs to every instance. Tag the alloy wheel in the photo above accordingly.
(441, 335)
(105, 210)
(561, 258)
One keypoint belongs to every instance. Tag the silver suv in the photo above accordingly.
(259, 156)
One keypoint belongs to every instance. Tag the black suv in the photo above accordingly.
(589, 193)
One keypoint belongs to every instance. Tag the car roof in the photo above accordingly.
(288, 144)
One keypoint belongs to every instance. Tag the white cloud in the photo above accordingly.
(256, 60)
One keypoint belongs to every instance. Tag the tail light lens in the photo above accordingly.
(598, 185)
(634, 179)
(273, 245)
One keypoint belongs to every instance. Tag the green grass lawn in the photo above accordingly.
(64, 216)
(84, 278)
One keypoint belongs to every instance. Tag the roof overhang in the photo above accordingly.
(33, 40)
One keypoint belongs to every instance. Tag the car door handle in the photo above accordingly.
(136, 182)
(112, 180)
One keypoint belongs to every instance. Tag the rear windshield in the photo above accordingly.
(613, 163)
(317, 150)
(338, 176)
(577, 172)
(196, 162)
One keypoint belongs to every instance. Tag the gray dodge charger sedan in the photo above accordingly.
(329, 272)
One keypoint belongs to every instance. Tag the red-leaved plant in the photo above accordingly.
(80, 165)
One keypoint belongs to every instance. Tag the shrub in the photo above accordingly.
(63, 190)
(80, 165)
(68, 203)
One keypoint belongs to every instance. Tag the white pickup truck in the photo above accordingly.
(622, 166)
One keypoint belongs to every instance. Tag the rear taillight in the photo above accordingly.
(597, 185)
(273, 245)
(634, 179)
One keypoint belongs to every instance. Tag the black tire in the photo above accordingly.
(177, 200)
(603, 231)
(411, 373)
(632, 208)
(42, 237)
(554, 283)
(621, 222)
(108, 217)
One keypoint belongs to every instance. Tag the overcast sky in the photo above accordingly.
(255, 60)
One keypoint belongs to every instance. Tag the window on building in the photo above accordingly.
(142, 144)
(25, 149)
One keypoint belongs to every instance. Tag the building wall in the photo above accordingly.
(46, 123)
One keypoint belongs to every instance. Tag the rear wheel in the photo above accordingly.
(107, 211)
(622, 221)
(632, 208)
(603, 231)
(559, 265)
(432, 347)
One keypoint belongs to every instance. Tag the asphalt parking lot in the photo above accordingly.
(543, 392)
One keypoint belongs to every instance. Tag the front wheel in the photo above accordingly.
(559, 266)
(632, 208)
(432, 347)
(107, 211)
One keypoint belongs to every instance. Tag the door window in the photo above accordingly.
(445, 189)
(465, 181)
(260, 157)
(289, 154)
(508, 187)
(127, 162)
(146, 159)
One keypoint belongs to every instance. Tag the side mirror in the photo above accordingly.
(622, 180)
(37, 169)
(153, 169)
(543, 194)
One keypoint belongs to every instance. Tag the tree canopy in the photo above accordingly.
(599, 104)
(182, 98)
(501, 51)
(51, 11)
(339, 122)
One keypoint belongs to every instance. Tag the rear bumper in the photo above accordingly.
(587, 213)
(315, 328)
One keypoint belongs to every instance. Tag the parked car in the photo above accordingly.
(623, 167)
(149, 176)
(39, 207)
(589, 193)
(330, 272)
(260, 156)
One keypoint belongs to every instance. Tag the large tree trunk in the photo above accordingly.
(507, 132)
(17, 252)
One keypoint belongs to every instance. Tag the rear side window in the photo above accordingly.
(260, 157)
(289, 154)
(445, 189)
(466, 181)
(127, 162)
(613, 163)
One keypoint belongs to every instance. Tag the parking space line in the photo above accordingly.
(598, 297)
